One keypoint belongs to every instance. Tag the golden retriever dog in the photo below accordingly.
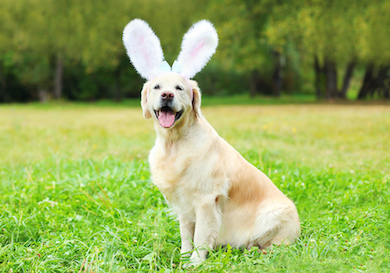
(218, 196)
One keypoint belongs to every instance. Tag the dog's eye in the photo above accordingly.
(178, 87)
(156, 87)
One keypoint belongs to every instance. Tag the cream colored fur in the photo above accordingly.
(219, 197)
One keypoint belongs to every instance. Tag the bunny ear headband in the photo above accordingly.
(145, 52)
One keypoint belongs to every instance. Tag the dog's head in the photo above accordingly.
(170, 99)
(169, 95)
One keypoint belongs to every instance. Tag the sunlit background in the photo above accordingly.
(52, 49)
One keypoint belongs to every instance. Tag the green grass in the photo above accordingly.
(76, 196)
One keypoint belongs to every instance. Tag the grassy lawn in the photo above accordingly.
(76, 196)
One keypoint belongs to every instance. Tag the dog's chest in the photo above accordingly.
(172, 175)
(184, 176)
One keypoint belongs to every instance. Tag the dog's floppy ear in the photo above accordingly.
(144, 100)
(199, 44)
(196, 100)
(143, 48)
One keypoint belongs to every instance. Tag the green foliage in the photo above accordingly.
(76, 193)
(255, 36)
(240, 25)
(84, 34)
(341, 30)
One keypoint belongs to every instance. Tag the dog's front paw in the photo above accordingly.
(186, 251)
(186, 255)
(194, 261)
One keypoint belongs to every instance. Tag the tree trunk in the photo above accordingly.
(277, 75)
(386, 92)
(367, 82)
(319, 78)
(58, 84)
(118, 91)
(43, 95)
(254, 79)
(347, 79)
(331, 79)
(3, 85)
(386, 86)
(380, 80)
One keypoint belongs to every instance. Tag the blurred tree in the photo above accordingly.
(46, 35)
(338, 34)
(374, 48)
(244, 48)
(10, 42)
(57, 48)
(319, 29)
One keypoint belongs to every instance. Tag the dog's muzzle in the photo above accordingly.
(166, 115)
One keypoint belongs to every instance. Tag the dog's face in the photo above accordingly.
(168, 99)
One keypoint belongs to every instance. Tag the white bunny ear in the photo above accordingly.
(143, 48)
(199, 44)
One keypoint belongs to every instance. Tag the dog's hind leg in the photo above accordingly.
(276, 225)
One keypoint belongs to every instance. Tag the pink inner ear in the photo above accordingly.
(145, 54)
(196, 50)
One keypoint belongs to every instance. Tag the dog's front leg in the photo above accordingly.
(187, 236)
(206, 230)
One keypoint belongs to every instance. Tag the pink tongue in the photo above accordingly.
(166, 118)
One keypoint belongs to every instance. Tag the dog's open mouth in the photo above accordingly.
(167, 117)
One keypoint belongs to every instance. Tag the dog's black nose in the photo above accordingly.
(167, 95)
